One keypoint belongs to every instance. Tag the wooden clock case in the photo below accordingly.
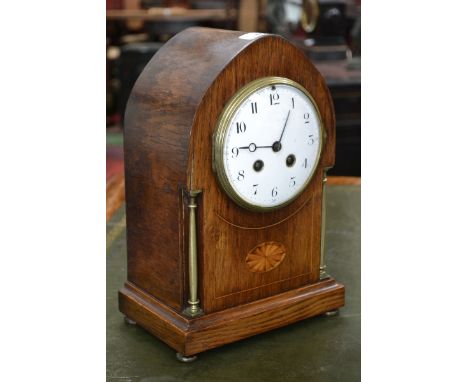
(170, 119)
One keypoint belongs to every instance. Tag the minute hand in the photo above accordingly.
(284, 127)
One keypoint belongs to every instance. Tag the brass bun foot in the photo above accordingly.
(332, 313)
(185, 359)
(129, 321)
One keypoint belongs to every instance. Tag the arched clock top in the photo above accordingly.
(189, 80)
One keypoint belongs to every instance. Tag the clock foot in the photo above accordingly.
(186, 359)
(129, 321)
(332, 313)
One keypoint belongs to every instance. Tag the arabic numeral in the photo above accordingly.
(292, 181)
(306, 117)
(274, 99)
(255, 186)
(274, 192)
(235, 152)
(240, 175)
(241, 127)
(304, 164)
(311, 140)
(254, 107)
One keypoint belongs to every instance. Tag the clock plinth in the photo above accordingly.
(205, 269)
(192, 336)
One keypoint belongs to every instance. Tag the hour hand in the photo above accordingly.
(252, 147)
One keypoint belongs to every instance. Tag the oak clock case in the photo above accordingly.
(209, 264)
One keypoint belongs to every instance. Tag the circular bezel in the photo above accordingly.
(223, 124)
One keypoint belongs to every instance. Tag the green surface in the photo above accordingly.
(317, 349)
(114, 138)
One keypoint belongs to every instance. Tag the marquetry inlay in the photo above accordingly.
(265, 256)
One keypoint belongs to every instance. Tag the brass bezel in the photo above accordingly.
(223, 123)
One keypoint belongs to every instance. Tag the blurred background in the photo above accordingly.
(327, 31)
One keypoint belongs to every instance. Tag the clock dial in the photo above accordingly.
(270, 144)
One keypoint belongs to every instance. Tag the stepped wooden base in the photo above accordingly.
(193, 336)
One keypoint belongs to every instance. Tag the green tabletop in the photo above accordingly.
(317, 349)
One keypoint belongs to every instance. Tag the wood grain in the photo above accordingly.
(193, 336)
(344, 180)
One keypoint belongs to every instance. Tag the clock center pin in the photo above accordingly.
(276, 146)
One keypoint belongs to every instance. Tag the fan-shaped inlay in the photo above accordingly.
(265, 256)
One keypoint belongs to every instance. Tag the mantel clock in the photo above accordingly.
(228, 137)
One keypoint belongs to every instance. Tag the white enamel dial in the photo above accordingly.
(271, 145)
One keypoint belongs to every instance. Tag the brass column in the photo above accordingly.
(323, 267)
(193, 309)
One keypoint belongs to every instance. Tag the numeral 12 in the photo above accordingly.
(274, 99)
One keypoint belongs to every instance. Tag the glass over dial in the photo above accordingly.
(270, 143)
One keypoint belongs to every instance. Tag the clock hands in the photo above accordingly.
(276, 146)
